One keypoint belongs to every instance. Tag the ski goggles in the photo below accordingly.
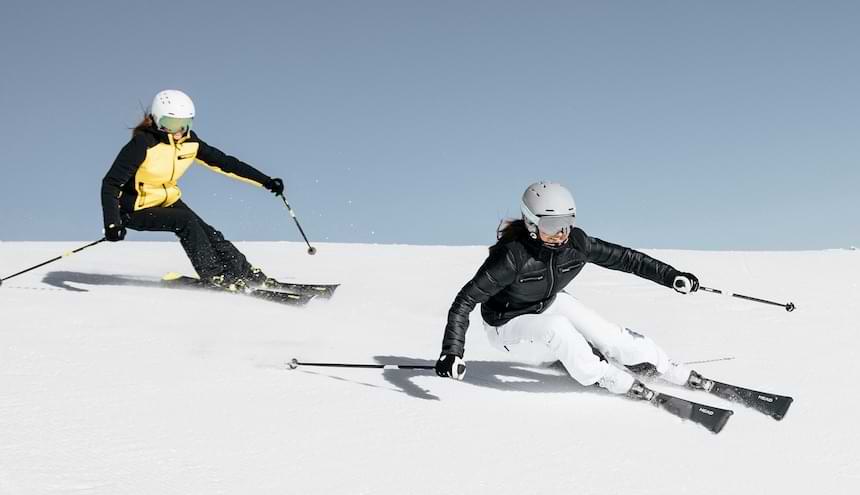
(175, 124)
(555, 225)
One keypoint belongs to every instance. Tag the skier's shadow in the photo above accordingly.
(62, 279)
(499, 375)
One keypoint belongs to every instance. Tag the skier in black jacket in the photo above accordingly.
(140, 191)
(527, 313)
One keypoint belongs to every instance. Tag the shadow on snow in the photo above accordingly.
(498, 375)
(62, 279)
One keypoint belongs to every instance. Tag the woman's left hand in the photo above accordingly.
(685, 283)
(275, 185)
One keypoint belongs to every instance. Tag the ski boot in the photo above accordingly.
(256, 279)
(698, 382)
(640, 392)
(230, 284)
(675, 373)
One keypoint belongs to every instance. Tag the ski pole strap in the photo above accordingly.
(788, 306)
(64, 255)
(295, 363)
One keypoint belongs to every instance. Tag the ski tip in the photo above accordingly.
(718, 426)
(171, 276)
(293, 364)
(781, 412)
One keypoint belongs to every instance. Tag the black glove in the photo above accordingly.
(114, 233)
(451, 366)
(685, 283)
(275, 185)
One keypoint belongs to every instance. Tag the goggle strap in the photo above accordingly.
(527, 213)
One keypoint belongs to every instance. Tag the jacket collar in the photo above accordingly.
(163, 137)
(540, 251)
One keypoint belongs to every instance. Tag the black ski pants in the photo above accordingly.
(209, 252)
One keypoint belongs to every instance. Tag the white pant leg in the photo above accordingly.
(550, 337)
(617, 343)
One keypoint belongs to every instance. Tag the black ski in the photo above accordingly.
(773, 405)
(324, 291)
(712, 418)
(292, 299)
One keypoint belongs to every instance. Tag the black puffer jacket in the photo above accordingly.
(523, 276)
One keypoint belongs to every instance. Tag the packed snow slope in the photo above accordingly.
(112, 384)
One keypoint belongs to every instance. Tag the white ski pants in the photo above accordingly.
(563, 333)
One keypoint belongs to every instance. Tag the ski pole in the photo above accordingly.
(311, 250)
(295, 363)
(789, 306)
(52, 260)
(714, 360)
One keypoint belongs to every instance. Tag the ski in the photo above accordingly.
(181, 281)
(324, 291)
(773, 405)
(712, 418)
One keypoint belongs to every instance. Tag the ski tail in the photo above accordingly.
(173, 277)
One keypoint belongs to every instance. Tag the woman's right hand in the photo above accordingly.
(451, 366)
(114, 233)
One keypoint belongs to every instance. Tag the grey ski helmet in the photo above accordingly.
(548, 207)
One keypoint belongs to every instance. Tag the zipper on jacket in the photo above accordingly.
(142, 194)
(551, 273)
(173, 172)
(570, 267)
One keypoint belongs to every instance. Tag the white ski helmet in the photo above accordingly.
(549, 207)
(172, 110)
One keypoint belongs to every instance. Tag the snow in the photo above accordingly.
(110, 384)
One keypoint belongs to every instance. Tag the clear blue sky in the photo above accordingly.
(684, 124)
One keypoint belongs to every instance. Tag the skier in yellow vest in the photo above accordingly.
(140, 191)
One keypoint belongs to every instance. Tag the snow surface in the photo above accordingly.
(110, 384)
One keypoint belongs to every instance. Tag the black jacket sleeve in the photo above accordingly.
(123, 169)
(216, 159)
(498, 271)
(628, 260)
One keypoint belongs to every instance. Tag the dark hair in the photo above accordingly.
(510, 230)
(144, 124)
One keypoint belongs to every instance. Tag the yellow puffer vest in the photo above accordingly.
(147, 169)
(155, 180)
